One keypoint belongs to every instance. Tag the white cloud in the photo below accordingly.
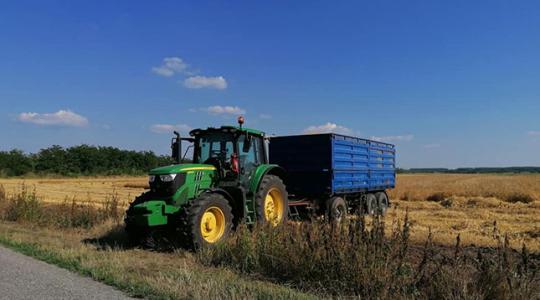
(170, 66)
(431, 146)
(265, 116)
(223, 110)
(59, 118)
(168, 128)
(533, 133)
(328, 128)
(394, 138)
(199, 82)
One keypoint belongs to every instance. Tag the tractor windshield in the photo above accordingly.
(214, 146)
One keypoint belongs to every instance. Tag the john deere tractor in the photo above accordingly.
(228, 181)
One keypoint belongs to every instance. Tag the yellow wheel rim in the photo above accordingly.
(212, 224)
(273, 206)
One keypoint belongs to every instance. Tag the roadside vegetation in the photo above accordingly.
(363, 257)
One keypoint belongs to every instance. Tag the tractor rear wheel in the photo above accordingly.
(206, 220)
(336, 209)
(272, 201)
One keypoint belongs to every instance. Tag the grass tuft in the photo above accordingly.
(519, 197)
(436, 197)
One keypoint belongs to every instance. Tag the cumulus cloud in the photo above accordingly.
(223, 110)
(328, 128)
(533, 133)
(59, 118)
(170, 66)
(168, 128)
(199, 82)
(394, 138)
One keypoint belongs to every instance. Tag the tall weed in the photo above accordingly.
(358, 258)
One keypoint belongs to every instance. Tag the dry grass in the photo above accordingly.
(140, 273)
(95, 189)
(478, 207)
(376, 259)
(475, 206)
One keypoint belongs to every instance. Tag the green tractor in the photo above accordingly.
(229, 181)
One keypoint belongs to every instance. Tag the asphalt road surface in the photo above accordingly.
(22, 277)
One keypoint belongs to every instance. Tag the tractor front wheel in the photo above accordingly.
(206, 220)
(272, 201)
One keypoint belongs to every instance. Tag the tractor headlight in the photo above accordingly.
(151, 178)
(167, 178)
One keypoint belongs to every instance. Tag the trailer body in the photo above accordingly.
(324, 165)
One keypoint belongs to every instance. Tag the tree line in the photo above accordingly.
(79, 160)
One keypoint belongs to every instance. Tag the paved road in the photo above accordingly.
(22, 277)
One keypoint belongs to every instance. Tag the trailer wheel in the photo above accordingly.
(206, 220)
(382, 202)
(336, 209)
(371, 204)
(272, 201)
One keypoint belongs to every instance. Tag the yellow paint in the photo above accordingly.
(212, 224)
(274, 206)
(199, 169)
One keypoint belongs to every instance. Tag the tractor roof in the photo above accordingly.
(231, 129)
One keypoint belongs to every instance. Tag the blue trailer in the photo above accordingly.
(336, 172)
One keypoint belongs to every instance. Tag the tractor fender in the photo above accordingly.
(222, 192)
(263, 170)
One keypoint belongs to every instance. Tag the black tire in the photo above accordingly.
(336, 209)
(272, 184)
(371, 204)
(191, 218)
(382, 202)
(135, 234)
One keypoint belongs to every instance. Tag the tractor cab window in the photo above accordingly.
(253, 157)
(214, 147)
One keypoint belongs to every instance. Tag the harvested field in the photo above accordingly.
(91, 189)
(477, 207)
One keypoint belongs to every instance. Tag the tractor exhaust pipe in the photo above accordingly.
(176, 148)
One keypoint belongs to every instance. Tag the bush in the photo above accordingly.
(336, 259)
(24, 206)
(519, 197)
(436, 197)
(357, 259)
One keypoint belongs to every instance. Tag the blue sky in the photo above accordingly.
(451, 83)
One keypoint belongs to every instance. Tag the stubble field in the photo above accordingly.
(478, 208)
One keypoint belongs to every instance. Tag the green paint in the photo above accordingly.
(157, 212)
(173, 169)
(258, 175)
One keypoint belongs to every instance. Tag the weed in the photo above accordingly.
(2, 193)
(436, 197)
(519, 197)
(24, 206)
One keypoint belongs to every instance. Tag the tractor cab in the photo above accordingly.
(235, 152)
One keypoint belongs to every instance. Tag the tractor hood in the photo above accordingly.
(173, 169)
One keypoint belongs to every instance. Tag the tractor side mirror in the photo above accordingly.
(247, 144)
(176, 147)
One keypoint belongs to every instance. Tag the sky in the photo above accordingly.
(451, 83)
